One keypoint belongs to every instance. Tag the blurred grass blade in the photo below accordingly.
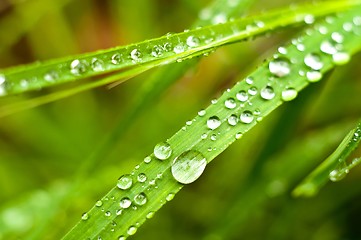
(183, 157)
(334, 168)
(164, 50)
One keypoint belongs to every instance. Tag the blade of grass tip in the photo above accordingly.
(334, 168)
(163, 78)
(183, 158)
(168, 49)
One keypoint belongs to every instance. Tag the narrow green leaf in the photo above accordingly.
(183, 157)
(334, 168)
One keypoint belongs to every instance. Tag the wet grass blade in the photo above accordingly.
(183, 157)
(334, 168)
(164, 50)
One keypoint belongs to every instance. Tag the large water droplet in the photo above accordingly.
(279, 67)
(252, 91)
(125, 182)
(188, 166)
(136, 55)
(125, 203)
(341, 58)
(267, 93)
(246, 117)
(213, 122)
(140, 199)
(337, 37)
(242, 96)
(78, 67)
(132, 230)
(230, 103)
(338, 174)
(232, 120)
(328, 47)
(289, 94)
(116, 58)
(313, 61)
(314, 76)
(193, 41)
(162, 150)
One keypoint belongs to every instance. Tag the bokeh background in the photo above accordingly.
(244, 194)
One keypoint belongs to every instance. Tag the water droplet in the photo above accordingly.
(97, 65)
(328, 47)
(213, 137)
(136, 55)
(132, 230)
(252, 91)
(357, 20)
(279, 67)
(170, 197)
(162, 150)
(242, 96)
(107, 214)
(214, 101)
(230, 103)
(309, 19)
(188, 167)
(150, 215)
(118, 212)
(157, 51)
(142, 178)
(121, 238)
(51, 76)
(204, 136)
(78, 67)
(282, 50)
(232, 120)
(300, 47)
(147, 159)
(338, 174)
(193, 41)
(140, 199)
(347, 26)
(313, 61)
(188, 123)
(337, 37)
(201, 113)
(289, 94)
(125, 182)
(116, 58)
(314, 76)
(249, 80)
(213, 122)
(125, 202)
(238, 135)
(99, 203)
(179, 48)
(84, 216)
(267, 93)
(246, 117)
(167, 47)
(341, 58)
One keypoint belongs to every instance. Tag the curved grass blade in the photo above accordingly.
(182, 158)
(334, 168)
(167, 49)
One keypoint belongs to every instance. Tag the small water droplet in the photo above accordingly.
(150, 215)
(300, 47)
(188, 167)
(188, 123)
(193, 41)
(246, 117)
(267, 93)
(357, 20)
(341, 58)
(289, 94)
(140, 199)
(125, 182)
(238, 135)
(84, 216)
(213, 122)
(313, 61)
(179, 48)
(314, 76)
(328, 47)
(214, 101)
(213, 137)
(97, 65)
(99, 203)
(142, 178)
(338, 174)
(242, 96)
(157, 51)
(279, 67)
(147, 159)
(230, 103)
(337, 37)
(170, 197)
(162, 151)
(132, 230)
(232, 120)
(309, 19)
(282, 50)
(118, 212)
(50, 76)
(116, 58)
(202, 112)
(107, 214)
(249, 80)
(78, 67)
(121, 237)
(136, 55)
(125, 202)
(204, 136)
(252, 91)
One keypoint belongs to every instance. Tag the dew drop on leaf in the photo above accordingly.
(97, 65)
(162, 151)
(252, 91)
(179, 48)
(125, 182)
(132, 230)
(142, 177)
(313, 76)
(78, 67)
(267, 93)
(125, 202)
(116, 58)
(169, 197)
(328, 47)
(188, 166)
(150, 215)
(157, 51)
(242, 96)
(246, 117)
(136, 55)
(140, 199)
(99, 203)
(341, 58)
(249, 80)
(337, 37)
(84, 216)
(338, 174)
(279, 67)
(289, 94)
(313, 61)
(230, 103)
(213, 122)
(147, 159)
(202, 112)
(50, 76)
(192, 41)
(121, 238)
(232, 120)
(238, 135)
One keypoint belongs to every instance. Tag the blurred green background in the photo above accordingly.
(244, 194)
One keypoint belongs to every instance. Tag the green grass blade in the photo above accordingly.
(167, 49)
(154, 181)
(334, 168)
